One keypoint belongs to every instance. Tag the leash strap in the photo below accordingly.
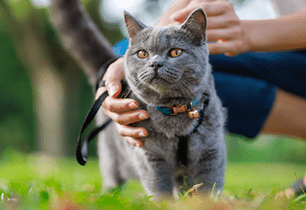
(82, 151)
(182, 145)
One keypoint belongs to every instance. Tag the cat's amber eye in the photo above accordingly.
(176, 52)
(143, 54)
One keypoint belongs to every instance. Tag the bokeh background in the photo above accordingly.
(44, 95)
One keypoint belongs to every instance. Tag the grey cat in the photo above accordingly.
(167, 66)
(168, 72)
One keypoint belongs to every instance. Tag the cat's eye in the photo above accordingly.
(143, 54)
(176, 52)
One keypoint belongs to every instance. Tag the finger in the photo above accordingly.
(212, 8)
(113, 77)
(177, 5)
(174, 23)
(216, 48)
(119, 105)
(214, 22)
(127, 118)
(134, 142)
(99, 92)
(230, 48)
(181, 15)
(134, 132)
(224, 33)
(215, 8)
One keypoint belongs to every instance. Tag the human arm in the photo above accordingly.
(232, 36)
(284, 33)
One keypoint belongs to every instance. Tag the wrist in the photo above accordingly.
(250, 44)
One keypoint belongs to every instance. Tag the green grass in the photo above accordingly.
(38, 181)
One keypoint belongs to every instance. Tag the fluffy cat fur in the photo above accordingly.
(162, 80)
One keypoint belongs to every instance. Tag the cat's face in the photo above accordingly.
(168, 65)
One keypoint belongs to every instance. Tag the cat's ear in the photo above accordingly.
(133, 26)
(196, 23)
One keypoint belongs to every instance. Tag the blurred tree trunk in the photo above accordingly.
(56, 78)
(48, 90)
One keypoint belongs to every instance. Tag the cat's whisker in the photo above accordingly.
(126, 92)
(129, 90)
(194, 64)
(185, 83)
(183, 89)
(143, 77)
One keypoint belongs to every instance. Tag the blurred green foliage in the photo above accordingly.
(18, 114)
(28, 42)
(40, 181)
(17, 111)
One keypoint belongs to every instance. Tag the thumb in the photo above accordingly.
(113, 77)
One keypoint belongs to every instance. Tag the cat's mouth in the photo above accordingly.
(168, 95)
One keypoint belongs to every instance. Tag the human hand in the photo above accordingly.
(122, 111)
(224, 28)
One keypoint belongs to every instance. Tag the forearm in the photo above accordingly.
(285, 33)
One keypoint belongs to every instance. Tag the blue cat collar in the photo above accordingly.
(174, 110)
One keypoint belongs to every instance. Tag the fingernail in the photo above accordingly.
(142, 116)
(113, 90)
(133, 105)
(141, 134)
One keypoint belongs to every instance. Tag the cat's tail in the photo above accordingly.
(81, 37)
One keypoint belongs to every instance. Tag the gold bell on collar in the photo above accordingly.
(194, 114)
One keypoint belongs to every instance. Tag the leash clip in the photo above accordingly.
(192, 113)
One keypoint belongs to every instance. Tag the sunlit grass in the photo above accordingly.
(39, 181)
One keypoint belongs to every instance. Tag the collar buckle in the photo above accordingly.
(179, 109)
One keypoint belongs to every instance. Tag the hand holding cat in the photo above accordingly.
(225, 30)
(223, 24)
(122, 111)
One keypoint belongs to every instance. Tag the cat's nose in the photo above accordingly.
(156, 66)
(157, 62)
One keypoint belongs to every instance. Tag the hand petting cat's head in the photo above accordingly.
(167, 65)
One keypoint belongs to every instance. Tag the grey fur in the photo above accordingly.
(176, 81)
(179, 81)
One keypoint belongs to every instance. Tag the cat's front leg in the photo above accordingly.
(156, 176)
(209, 170)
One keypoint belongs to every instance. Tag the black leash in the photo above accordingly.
(183, 144)
(82, 151)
